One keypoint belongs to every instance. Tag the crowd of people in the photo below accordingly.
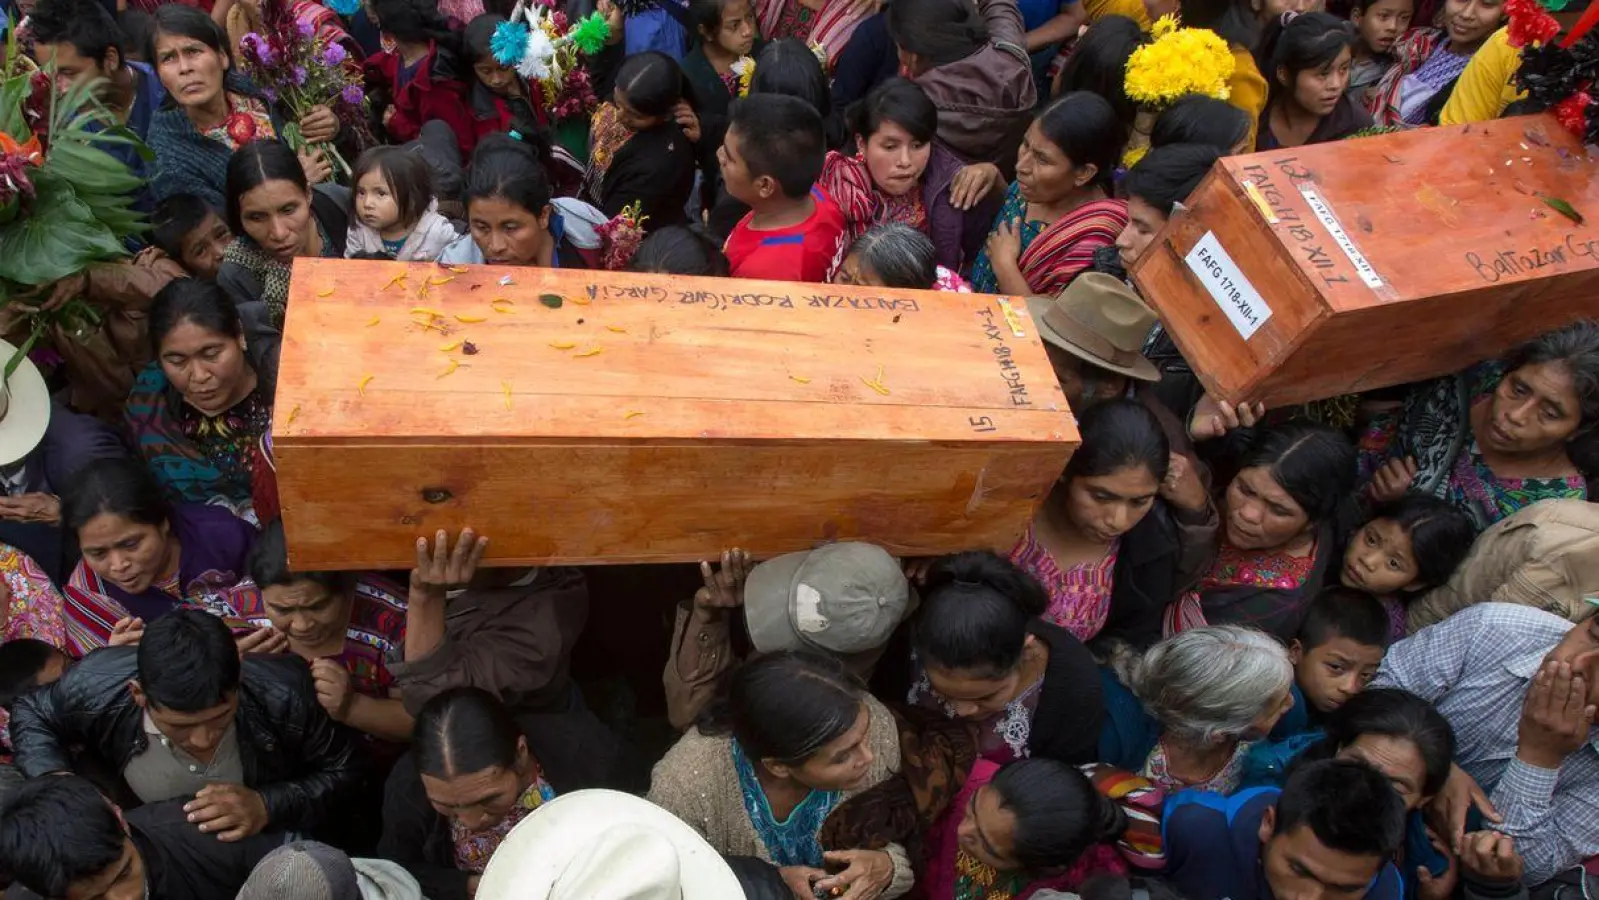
(1345, 649)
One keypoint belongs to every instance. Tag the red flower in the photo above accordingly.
(241, 128)
(1529, 24)
(1573, 111)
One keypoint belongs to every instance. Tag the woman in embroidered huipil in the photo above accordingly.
(1185, 713)
(1500, 436)
(1122, 470)
(763, 771)
(142, 557)
(347, 625)
(979, 651)
(1279, 535)
(470, 780)
(212, 111)
(198, 412)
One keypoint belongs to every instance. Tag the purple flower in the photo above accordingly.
(352, 94)
(253, 46)
(299, 75)
(333, 55)
(305, 29)
(270, 95)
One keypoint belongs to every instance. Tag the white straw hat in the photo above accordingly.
(606, 845)
(24, 408)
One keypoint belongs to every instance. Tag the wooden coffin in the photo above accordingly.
(652, 418)
(1307, 273)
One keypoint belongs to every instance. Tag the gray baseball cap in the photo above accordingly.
(843, 598)
(303, 870)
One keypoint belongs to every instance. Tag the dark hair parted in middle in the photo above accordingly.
(255, 164)
(653, 83)
(938, 31)
(1119, 434)
(780, 137)
(1085, 129)
(464, 730)
(975, 612)
(192, 300)
(505, 168)
(1313, 464)
(188, 661)
(118, 487)
(1059, 814)
(1441, 534)
(269, 564)
(786, 706)
(1391, 712)
(1167, 175)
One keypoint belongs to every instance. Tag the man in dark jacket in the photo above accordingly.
(181, 715)
(60, 838)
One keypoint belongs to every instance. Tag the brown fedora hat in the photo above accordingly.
(1099, 319)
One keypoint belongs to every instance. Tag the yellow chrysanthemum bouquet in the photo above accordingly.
(1177, 62)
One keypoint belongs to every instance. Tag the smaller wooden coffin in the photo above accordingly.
(1311, 272)
(589, 417)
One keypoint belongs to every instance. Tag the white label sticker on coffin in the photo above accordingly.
(1238, 299)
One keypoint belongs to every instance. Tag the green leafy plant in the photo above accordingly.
(71, 202)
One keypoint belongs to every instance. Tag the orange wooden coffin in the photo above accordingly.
(581, 417)
(1316, 271)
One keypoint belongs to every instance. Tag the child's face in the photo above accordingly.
(736, 171)
(1381, 24)
(374, 202)
(203, 247)
(500, 80)
(735, 34)
(1380, 560)
(1332, 672)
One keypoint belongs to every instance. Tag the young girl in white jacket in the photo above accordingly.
(394, 212)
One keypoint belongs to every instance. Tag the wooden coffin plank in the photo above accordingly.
(716, 412)
(1377, 261)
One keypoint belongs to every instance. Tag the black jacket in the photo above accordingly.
(294, 756)
(181, 862)
(574, 750)
(1071, 705)
(1163, 555)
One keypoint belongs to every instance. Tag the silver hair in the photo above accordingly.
(1211, 683)
(901, 256)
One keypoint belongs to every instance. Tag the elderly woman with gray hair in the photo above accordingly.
(1185, 713)
(898, 256)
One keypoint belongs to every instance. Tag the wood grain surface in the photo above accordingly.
(612, 417)
(1383, 260)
